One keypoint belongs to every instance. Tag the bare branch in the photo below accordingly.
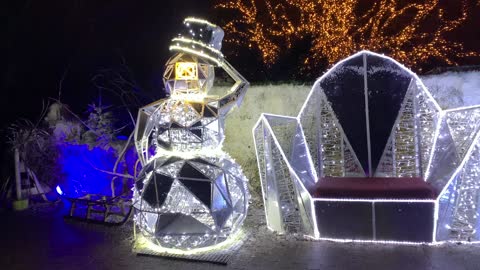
(60, 84)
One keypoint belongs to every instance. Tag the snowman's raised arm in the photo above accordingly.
(238, 90)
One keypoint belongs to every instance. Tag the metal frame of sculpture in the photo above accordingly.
(327, 139)
(190, 194)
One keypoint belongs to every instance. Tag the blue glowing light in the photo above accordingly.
(84, 170)
(59, 190)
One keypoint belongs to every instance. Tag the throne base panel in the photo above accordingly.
(376, 220)
(375, 209)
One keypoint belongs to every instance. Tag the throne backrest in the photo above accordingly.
(369, 116)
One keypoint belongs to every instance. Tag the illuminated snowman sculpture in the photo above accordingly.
(190, 194)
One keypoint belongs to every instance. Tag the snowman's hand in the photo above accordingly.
(238, 90)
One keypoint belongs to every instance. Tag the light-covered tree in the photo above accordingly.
(412, 32)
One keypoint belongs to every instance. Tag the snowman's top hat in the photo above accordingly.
(201, 38)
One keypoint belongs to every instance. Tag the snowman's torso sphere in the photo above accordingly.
(181, 125)
(190, 203)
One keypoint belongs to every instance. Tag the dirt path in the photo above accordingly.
(39, 238)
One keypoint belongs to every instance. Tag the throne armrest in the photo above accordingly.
(286, 172)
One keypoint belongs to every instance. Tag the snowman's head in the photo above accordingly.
(190, 72)
(188, 76)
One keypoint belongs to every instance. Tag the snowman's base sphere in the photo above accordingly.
(190, 203)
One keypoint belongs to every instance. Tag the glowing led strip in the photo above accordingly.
(257, 125)
(435, 220)
(462, 108)
(143, 242)
(198, 53)
(211, 152)
(196, 20)
(203, 45)
(346, 240)
(314, 215)
(188, 97)
(309, 156)
(373, 200)
(408, 243)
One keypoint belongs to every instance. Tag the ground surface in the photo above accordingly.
(39, 238)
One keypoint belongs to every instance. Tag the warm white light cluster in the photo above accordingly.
(190, 194)
(202, 39)
(336, 28)
(424, 141)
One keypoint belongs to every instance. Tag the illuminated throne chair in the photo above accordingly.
(371, 157)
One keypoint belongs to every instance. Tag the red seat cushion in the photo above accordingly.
(373, 188)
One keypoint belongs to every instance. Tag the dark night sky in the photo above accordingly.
(42, 38)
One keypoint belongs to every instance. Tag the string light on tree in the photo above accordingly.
(409, 32)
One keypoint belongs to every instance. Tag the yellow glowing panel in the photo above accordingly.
(186, 71)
